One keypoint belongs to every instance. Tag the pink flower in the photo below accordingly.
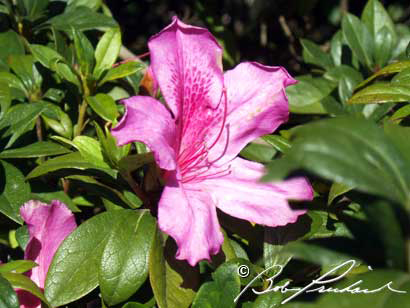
(210, 117)
(48, 226)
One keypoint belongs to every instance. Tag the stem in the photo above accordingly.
(81, 118)
(135, 187)
(39, 130)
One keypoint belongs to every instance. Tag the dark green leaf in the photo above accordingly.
(38, 149)
(222, 291)
(124, 262)
(35, 9)
(47, 56)
(11, 44)
(81, 18)
(21, 281)
(333, 148)
(314, 55)
(14, 192)
(307, 94)
(8, 297)
(84, 51)
(359, 39)
(69, 276)
(68, 161)
(388, 70)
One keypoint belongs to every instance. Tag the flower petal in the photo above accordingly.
(189, 216)
(257, 105)
(187, 63)
(48, 226)
(148, 121)
(240, 194)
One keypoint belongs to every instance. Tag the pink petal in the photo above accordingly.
(148, 121)
(48, 226)
(257, 105)
(240, 194)
(189, 216)
(187, 63)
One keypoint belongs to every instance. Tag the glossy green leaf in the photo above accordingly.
(65, 72)
(92, 4)
(385, 41)
(336, 46)
(81, 18)
(69, 276)
(14, 193)
(84, 51)
(167, 277)
(67, 161)
(21, 281)
(5, 99)
(387, 70)
(222, 291)
(307, 94)
(35, 9)
(47, 56)
(333, 148)
(314, 55)
(90, 150)
(37, 149)
(8, 297)
(124, 262)
(280, 143)
(122, 70)
(375, 17)
(18, 266)
(23, 66)
(107, 51)
(104, 106)
(382, 93)
(359, 39)
(258, 151)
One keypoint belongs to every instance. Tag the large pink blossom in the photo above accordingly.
(208, 118)
(48, 226)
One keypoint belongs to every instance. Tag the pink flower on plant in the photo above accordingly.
(48, 226)
(210, 116)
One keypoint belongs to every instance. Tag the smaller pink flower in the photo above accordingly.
(48, 226)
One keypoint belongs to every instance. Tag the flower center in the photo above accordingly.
(193, 160)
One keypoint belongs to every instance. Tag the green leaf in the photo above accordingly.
(37, 149)
(333, 148)
(107, 51)
(385, 41)
(58, 120)
(307, 94)
(280, 143)
(92, 4)
(258, 151)
(47, 56)
(90, 150)
(401, 114)
(375, 17)
(66, 72)
(5, 99)
(268, 300)
(21, 281)
(68, 161)
(336, 190)
(84, 51)
(49, 196)
(314, 55)
(171, 281)
(23, 66)
(382, 93)
(371, 280)
(11, 44)
(8, 297)
(121, 71)
(81, 18)
(124, 262)
(359, 39)
(34, 9)
(104, 106)
(388, 70)
(18, 266)
(69, 277)
(20, 119)
(336, 46)
(14, 193)
(222, 291)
